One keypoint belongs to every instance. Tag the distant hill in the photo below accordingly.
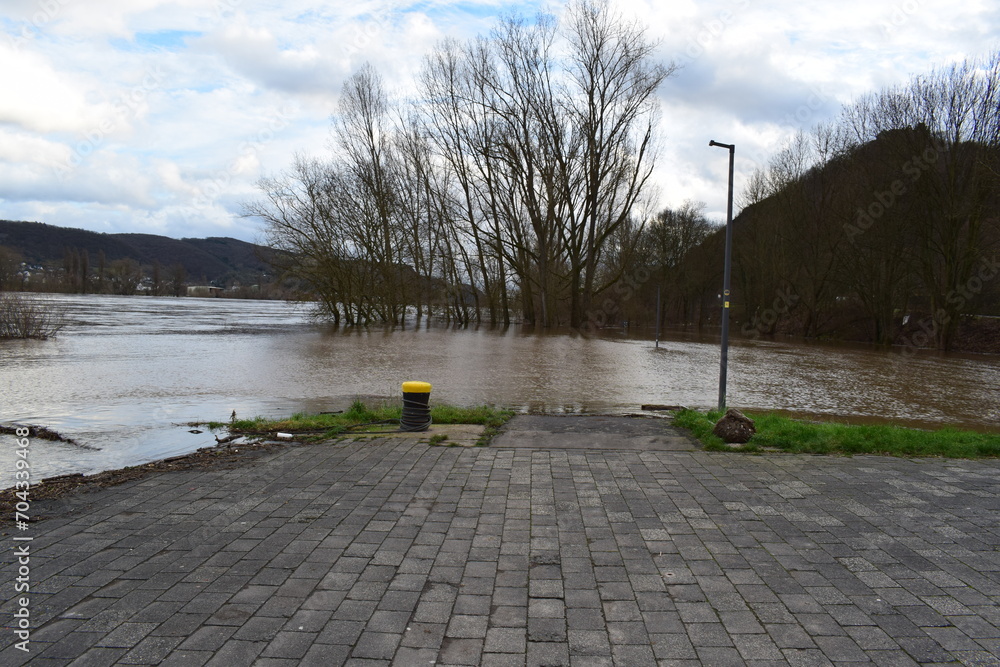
(212, 260)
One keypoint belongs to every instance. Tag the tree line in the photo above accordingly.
(76, 275)
(882, 225)
(513, 184)
(890, 211)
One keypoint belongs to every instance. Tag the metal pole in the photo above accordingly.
(657, 316)
(726, 277)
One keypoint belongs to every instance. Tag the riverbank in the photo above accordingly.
(127, 373)
(251, 438)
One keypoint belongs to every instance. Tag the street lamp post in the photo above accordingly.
(725, 287)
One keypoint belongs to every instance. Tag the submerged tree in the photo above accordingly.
(11, 277)
(125, 276)
(525, 159)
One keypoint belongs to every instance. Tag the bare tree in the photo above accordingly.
(178, 275)
(125, 275)
(459, 129)
(10, 269)
(549, 129)
(614, 80)
(525, 159)
(102, 268)
(157, 278)
(302, 225)
(363, 135)
(665, 242)
(84, 271)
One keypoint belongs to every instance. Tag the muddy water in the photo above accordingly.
(127, 373)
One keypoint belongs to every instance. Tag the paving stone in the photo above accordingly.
(546, 629)
(71, 646)
(341, 632)
(505, 640)
(461, 651)
(589, 642)
(473, 604)
(394, 552)
(180, 658)
(208, 638)
(150, 651)
(236, 652)
(376, 645)
(509, 617)
(546, 608)
(95, 657)
(634, 654)
(547, 655)
(126, 635)
(260, 628)
(468, 627)
(841, 649)
(327, 655)
(672, 647)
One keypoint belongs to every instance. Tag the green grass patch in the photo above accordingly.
(700, 424)
(800, 437)
(361, 418)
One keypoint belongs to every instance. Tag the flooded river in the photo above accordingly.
(128, 372)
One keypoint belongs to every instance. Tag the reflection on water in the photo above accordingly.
(129, 370)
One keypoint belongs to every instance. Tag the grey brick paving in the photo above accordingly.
(395, 552)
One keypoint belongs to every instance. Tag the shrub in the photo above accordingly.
(27, 317)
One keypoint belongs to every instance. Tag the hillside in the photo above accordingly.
(210, 260)
(892, 241)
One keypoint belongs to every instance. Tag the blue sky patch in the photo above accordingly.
(163, 40)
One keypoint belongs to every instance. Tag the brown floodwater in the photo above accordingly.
(128, 372)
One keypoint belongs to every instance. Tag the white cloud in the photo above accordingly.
(38, 97)
(25, 149)
(170, 110)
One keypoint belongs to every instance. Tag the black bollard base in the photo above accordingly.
(416, 407)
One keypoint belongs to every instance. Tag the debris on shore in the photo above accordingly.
(40, 432)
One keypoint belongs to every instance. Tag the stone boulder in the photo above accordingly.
(734, 427)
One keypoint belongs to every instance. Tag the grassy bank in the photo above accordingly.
(360, 418)
(789, 435)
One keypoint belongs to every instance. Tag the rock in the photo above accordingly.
(734, 427)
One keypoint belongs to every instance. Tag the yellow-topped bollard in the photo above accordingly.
(416, 406)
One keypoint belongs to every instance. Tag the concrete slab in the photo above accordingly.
(445, 435)
(602, 432)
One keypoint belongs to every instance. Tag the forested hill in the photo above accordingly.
(211, 259)
(893, 241)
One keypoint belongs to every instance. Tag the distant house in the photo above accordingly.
(203, 290)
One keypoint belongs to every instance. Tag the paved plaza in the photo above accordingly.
(393, 551)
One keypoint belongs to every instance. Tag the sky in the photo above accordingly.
(159, 116)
